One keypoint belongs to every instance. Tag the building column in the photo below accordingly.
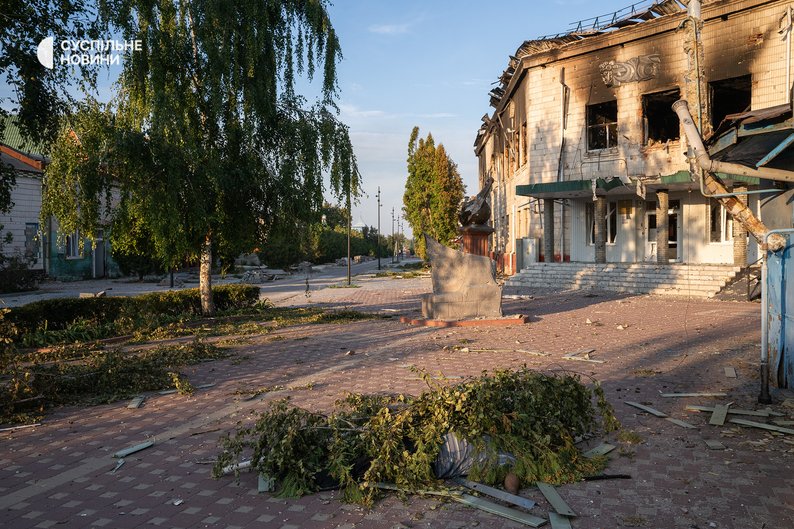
(600, 228)
(740, 233)
(662, 225)
(548, 230)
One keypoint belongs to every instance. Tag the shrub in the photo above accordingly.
(107, 315)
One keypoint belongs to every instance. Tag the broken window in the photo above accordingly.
(659, 120)
(720, 223)
(730, 96)
(611, 222)
(602, 126)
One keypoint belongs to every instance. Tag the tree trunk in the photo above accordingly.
(205, 277)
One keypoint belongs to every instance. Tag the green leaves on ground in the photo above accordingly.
(375, 438)
(89, 375)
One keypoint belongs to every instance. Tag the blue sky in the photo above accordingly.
(430, 63)
(425, 63)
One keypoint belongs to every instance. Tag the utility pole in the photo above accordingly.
(377, 247)
(349, 221)
(393, 239)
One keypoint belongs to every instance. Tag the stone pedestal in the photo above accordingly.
(475, 239)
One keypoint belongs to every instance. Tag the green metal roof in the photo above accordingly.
(12, 137)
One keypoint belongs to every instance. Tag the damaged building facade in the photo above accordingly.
(589, 159)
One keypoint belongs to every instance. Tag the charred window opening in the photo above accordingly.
(602, 126)
(729, 96)
(659, 119)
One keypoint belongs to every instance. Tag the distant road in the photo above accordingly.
(292, 285)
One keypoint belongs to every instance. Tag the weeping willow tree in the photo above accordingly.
(209, 143)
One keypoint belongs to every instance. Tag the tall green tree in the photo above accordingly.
(38, 96)
(210, 144)
(433, 191)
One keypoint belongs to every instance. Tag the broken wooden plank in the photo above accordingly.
(137, 402)
(762, 425)
(719, 415)
(12, 428)
(499, 510)
(783, 423)
(731, 411)
(705, 394)
(555, 499)
(524, 351)
(132, 449)
(652, 411)
(559, 521)
(586, 351)
(600, 450)
(519, 501)
(443, 492)
(714, 445)
(583, 359)
(680, 423)
(730, 372)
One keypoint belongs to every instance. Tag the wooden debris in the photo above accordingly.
(730, 372)
(599, 477)
(719, 415)
(132, 449)
(783, 423)
(600, 450)
(555, 499)
(648, 409)
(519, 501)
(714, 445)
(680, 423)
(137, 402)
(118, 466)
(234, 467)
(762, 425)
(733, 411)
(706, 394)
(12, 428)
(582, 355)
(499, 510)
(524, 351)
(558, 521)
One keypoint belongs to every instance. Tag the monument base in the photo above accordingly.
(475, 239)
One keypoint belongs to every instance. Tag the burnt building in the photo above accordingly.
(590, 161)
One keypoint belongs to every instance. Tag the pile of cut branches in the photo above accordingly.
(369, 439)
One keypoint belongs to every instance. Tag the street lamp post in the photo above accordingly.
(393, 239)
(377, 247)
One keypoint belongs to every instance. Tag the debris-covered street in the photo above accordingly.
(684, 473)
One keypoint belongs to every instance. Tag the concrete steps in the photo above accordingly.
(676, 279)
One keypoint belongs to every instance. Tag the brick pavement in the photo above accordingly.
(60, 474)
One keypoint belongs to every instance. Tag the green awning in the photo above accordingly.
(683, 177)
(567, 188)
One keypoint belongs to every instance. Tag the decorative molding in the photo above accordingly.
(640, 68)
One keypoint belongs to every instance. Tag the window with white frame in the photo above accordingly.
(74, 249)
(611, 218)
(720, 225)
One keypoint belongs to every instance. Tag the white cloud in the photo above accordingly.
(390, 29)
(352, 111)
